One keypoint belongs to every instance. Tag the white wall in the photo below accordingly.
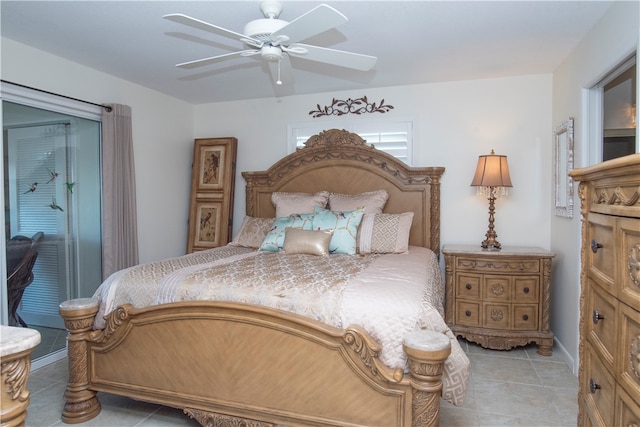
(162, 135)
(455, 123)
(612, 40)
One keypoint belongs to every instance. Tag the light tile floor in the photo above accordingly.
(508, 388)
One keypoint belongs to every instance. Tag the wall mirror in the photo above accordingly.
(563, 154)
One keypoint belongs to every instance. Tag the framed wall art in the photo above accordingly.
(212, 187)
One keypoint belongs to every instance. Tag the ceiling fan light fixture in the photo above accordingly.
(271, 53)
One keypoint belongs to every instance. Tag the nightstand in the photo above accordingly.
(499, 299)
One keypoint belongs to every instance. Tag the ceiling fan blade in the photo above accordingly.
(202, 25)
(334, 57)
(317, 20)
(206, 61)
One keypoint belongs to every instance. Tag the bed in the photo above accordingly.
(265, 357)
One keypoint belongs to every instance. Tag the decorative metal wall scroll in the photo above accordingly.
(350, 106)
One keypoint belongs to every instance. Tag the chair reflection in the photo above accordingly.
(22, 253)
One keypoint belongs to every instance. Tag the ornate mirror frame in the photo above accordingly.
(563, 159)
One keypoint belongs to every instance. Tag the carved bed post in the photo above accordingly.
(81, 404)
(427, 351)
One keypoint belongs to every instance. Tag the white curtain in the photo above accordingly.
(119, 225)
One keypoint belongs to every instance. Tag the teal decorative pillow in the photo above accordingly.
(344, 226)
(274, 240)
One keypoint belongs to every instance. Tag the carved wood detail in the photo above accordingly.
(16, 373)
(212, 419)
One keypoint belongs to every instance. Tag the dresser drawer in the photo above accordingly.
(505, 266)
(602, 253)
(628, 366)
(627, 411)
(600, 321)
(598, 389)
(467, 313)
(468, 285)
(629, 281)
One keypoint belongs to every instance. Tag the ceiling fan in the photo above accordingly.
(275, 39)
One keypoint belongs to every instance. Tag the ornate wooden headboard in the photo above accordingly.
(339, 161)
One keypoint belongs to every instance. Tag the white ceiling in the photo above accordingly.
(415, 42)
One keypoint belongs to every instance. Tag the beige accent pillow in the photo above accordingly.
(297, 241)
(293, 203)
(372, 201)
(252, 232)
(385, 233)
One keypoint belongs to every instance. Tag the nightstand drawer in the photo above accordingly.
(468, 285)
(525, 317)
(496, 288)
(467, 313)
(496, 316)
(495, 265)
(526, 289)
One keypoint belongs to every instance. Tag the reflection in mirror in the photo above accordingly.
(563, 153)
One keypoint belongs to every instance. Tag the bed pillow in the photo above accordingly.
(344, 226)
(312, 242)
(252, 232)
(290, 203)
(373, 201)
(385, 233)
(274, 240)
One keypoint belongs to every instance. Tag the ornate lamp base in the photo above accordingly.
(491, 242)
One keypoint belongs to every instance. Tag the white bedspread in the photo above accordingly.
(388, 295)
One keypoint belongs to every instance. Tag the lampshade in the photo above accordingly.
(492, 171)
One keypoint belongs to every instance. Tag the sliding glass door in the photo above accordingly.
(52, 186)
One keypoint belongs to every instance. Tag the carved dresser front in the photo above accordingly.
(609, 374)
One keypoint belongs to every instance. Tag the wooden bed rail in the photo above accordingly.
(418, 393)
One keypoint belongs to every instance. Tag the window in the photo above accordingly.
(394, 137)
(614, 113)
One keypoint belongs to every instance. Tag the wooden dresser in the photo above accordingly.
(609, 374)
(499, 299)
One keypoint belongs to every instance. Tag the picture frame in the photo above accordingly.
(563, 163)
(212, 190)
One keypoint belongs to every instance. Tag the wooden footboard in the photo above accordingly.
(222, 361)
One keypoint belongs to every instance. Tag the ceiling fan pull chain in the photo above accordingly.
(279, 82)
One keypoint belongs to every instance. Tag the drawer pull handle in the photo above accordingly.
(526, 290)
(525, 317)
(597, 317)
(467, 313)
(593, 386)
(595, 246)
(468, 286)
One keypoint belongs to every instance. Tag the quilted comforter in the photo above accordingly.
(389, 295)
